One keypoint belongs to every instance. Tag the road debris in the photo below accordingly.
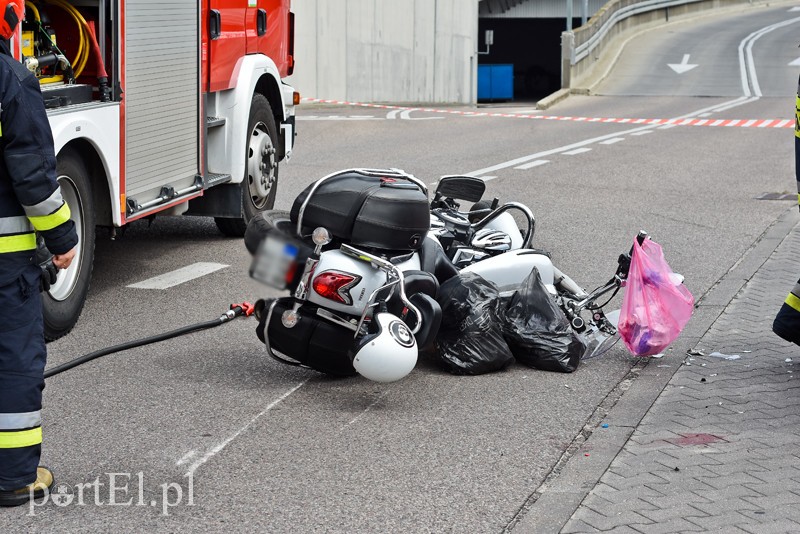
(725, 356)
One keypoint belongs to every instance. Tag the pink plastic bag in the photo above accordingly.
(656, 305)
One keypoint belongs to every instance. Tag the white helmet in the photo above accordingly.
(388, 352)
(489, 239)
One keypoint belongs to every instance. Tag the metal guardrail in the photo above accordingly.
(612, 17)
(583, 47)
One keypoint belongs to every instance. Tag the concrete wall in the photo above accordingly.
(386, 50)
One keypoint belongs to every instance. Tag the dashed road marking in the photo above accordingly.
(645, 132)
(576, 151)
(533, 164)
(612, 141)
(179, 276)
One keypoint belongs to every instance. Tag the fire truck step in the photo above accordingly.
(216, 179)
(213, 122)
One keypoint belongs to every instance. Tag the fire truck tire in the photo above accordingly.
(64, 301)
(260, 183)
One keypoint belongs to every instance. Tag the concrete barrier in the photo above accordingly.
(589, 51)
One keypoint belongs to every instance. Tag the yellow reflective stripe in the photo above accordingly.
(48, 222)
(793, 301)
(22, 438)
(17, 243)
(797, 117)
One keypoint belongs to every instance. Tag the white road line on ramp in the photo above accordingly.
(218, 448)
(179, 276)
(643, 133)
(612, 141)
(747, 66)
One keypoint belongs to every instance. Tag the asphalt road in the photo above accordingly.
(261, 446)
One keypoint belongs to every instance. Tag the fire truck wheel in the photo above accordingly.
(260, 183)
(63, 303)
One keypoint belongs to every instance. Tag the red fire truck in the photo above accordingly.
(164, 107)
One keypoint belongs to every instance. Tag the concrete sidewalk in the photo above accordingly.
(719, 449)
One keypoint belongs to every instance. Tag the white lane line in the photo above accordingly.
(643, 133)
(577, 151)
(633, 131)
(533, 164)
(736, 103)
(179, 276)
(487, 178)
(185, 458)
(332, 118)
(368, 408)
(216, 449)
(704, 115)
(747, 66)
(612, 141)
(667, 126)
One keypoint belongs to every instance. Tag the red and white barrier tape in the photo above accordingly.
(740, 123)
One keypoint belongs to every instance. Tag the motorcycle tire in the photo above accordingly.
(263, 223)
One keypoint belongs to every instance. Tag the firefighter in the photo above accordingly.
(787, 322)
(30, 202)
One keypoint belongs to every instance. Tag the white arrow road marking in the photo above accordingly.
(795, 63)
(179, 276)
(683, 66)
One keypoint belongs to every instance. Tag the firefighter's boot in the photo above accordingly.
(36, 490)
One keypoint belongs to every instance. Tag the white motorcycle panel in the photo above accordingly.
(370, 280)
(509, 270)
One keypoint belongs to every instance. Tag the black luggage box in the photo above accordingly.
(366, 209)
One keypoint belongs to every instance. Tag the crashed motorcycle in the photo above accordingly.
(363, 252)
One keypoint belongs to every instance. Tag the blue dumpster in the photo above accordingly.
(496, 82)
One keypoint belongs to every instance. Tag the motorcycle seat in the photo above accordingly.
(433, 260)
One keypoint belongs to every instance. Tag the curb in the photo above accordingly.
(552, 504)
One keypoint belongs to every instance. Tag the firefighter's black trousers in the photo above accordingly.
(22, 361)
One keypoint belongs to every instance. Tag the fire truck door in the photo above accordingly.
(226, 41)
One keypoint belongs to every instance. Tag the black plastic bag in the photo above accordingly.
(538, 332)
(470, 340)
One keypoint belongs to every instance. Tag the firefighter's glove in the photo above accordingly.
(49, 275)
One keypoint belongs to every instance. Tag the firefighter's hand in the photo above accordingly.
(62, 261)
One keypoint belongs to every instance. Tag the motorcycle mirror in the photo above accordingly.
(458, 187)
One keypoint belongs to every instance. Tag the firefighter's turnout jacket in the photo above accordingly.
(30, 202)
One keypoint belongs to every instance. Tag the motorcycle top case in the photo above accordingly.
(389, 213)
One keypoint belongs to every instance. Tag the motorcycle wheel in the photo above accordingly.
(264, 222)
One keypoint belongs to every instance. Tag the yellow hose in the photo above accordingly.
(82, 57)
(35, 11)
(51, 79)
